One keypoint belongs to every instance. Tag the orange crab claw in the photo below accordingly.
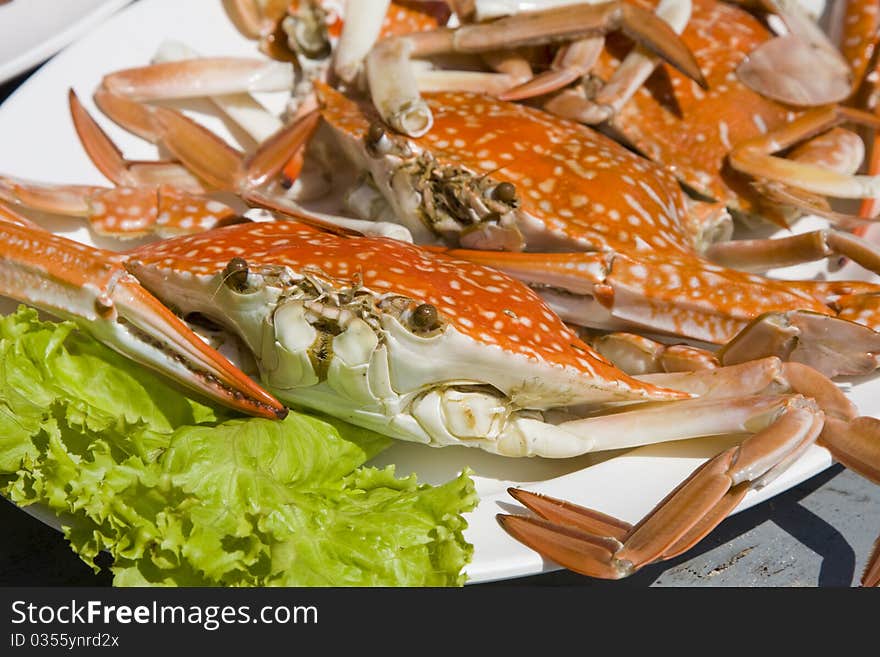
(92, 288)
(679, 521)
(596, 545)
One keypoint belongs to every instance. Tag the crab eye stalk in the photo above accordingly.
(425, 318)
(235, 274)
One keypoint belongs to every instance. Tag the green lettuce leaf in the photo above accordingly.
(181, 493)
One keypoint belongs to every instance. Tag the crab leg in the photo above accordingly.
(354, 44)
(636, 354)
(213, 160)
(394, 86)
(143, 203)
(106, 156)
(242, 108)
(754, 156)
(686, 515)
(764, 254)
(199, 77)
(247, 17)
(624, 82)
(619, 285)
(833, 345)
(122, 212)
(597, 545)
(800, 68)
(91, 287)
(572, 62)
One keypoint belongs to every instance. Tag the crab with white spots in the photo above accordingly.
(605, 236)
(422, 347)
(749, 139)
(440, 349)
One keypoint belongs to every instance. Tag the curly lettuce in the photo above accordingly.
(182, 493)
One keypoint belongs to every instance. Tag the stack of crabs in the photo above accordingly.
(505, 225)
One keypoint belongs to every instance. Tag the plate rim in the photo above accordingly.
(58, 41)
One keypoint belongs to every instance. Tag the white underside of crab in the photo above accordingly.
(443, 388)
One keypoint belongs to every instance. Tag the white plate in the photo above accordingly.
(39, 142)
(34, 30)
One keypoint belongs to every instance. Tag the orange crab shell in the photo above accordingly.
(479, 302)
(406, 17)
(589, 192)
(859, 38)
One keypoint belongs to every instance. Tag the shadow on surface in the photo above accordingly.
(785, 511)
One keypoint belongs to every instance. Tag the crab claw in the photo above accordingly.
(92, 288)
(595, 545)
(834, 346)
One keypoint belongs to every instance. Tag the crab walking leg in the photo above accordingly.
(91, 287)
(688, 513)
(138, 118)
(122, 212)
(363, 24)
(331, 222)
(746, 379)
(7, 216)
(394, 86)
(692, 418)
(572, 62)
(764, 254)
(856, 445)
(107, 157)
(246, 16)
(429, 80)
(762, 376)
(637, 354)
(754, 156)
(242, 108)
(839, 150)
(213, 160)
(636, 67)
(199, 78)
(871, 576)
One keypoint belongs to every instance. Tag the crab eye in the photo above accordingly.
(425, 318)
(375, 133)
(504, 192)
(235, 274)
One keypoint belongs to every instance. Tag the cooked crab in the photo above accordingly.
(726, 142)
(611, 240)
(420, 347)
